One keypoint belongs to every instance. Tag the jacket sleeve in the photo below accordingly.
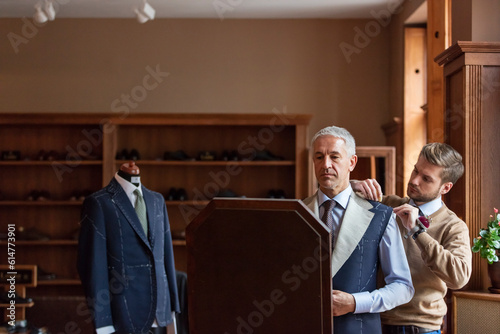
(170, 264)
(92, 262)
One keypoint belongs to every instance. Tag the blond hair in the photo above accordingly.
(445, 156)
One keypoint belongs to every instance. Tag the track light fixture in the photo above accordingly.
(44, 11)
(145, 12)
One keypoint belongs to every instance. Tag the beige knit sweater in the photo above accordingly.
(438, 259)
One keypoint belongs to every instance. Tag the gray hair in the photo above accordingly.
(337, 132)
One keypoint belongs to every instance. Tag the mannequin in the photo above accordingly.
(130, 172)
(117, 257)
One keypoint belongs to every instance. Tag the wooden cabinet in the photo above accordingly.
(472, 79)
(51, 161)
(475, 312)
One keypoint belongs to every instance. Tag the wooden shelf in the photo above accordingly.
(60, 281)
(43, 243)
(40, 203)
(48, 163)
(210, 163)
(152, 135)
(19, 305)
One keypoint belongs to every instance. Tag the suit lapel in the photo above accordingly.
(121, 200)
(356, 220)
(312, 203)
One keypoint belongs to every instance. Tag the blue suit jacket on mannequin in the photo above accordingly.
(128, 279)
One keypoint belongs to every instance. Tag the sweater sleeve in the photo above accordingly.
(451, 260)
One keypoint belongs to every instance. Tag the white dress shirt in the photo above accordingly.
(430, 207)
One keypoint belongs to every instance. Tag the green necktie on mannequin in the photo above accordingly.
(140, 209)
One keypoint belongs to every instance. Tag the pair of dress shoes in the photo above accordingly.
(126, 155)
(31, 233)
(278, 193)
(178, 155)
(47, 155)
(177, 194)
(266, 155)
(11, 155)
(43, 275)
(38, 195)
(212, 156)
(228, 193)
(230, 156)
(79, 195)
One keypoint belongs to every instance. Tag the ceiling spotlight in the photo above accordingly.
(145, 12)
(39, 16)
(44, 11)
(49, 10)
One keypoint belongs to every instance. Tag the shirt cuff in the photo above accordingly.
(105, 330)
(363, 302)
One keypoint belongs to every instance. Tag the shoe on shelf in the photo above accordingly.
(11, 155)
(123, 155)
(32, 234)
(79, 195)
(175, 194)
(134, 155)
(43, 196)
(230, 156)
(36, 195)
(178, 155)
(280, 193)
(42, 275)
(227, 193)
(206, 156)
(41, 155)
(266, 155)
(181, 195)
(33, 195)
(271, 194)
(171, 194)
(51, 156)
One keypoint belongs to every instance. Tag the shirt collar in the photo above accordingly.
(342, 198)
(128, 187)
(430, 207)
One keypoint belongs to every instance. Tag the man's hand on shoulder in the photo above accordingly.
(342, 303)
(368, 189)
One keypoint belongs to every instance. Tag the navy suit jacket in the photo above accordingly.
(128, 278)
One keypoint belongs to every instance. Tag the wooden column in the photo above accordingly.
(438, 37)
(472, 100)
